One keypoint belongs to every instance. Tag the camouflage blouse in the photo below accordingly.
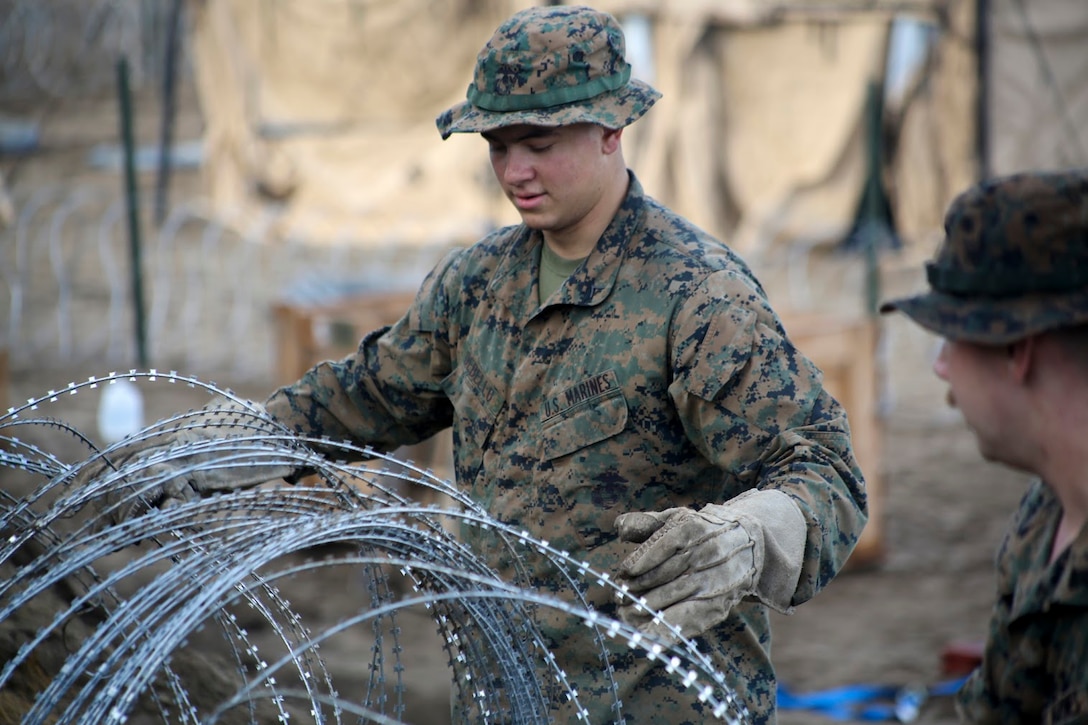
(656, 376)
(1035, 665)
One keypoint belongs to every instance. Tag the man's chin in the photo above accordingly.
(534, 221)
(1001, 455)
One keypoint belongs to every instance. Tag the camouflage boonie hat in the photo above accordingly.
(1014, 261)
(551, 66)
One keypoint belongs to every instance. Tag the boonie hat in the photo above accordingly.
(1013, 263)
(551, 66)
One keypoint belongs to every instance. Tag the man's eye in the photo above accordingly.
(540, 148)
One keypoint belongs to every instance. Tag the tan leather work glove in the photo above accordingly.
(693, 566)
(167, 464)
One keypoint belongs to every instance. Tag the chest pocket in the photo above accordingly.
(598, 413)
(579, 483)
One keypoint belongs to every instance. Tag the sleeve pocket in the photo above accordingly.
(724, 348)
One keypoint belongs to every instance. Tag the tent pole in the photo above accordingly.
(169, 110)
(982, 107)
(125, 97)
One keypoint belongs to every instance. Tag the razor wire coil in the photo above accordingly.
(221, 570)
(62, 49)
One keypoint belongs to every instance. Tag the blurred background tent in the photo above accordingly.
(1035, 85)
(805, 133)
(798, 131)
(322, 113)
(318, 114)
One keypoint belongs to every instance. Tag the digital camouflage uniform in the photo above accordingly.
(656, 376)
(1035, 667)
(1014, 263)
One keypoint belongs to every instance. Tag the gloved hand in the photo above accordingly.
(693, 566)
(160, 472)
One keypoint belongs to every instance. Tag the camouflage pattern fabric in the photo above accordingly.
(656, 376)
(1014, 261)
(551, 66)
(1034, 668)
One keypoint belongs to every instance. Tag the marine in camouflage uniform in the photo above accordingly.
(656, 378)
(1010, 285)
(616, 382)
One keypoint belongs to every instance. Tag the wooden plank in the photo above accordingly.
(309, 334)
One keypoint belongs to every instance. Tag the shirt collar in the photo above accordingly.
(516, 276)
(1040, 584)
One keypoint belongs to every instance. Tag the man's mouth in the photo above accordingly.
(528, 201)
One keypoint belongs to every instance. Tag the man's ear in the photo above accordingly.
(610, 139)
(1022, 358)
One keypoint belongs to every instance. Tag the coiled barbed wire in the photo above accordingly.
(119, 612)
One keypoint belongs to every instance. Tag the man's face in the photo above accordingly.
(554, 176)
(979, 381)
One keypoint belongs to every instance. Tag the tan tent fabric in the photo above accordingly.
(320, 113)
(758, 136)
(935, 157)
(1039, 92)
(748, 13)
(1037, 111)
(796, 113)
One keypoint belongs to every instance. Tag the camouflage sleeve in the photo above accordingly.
(755, 405)
(388, 392)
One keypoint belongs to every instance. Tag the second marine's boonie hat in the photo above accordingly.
(551, 66)
(1013, 263)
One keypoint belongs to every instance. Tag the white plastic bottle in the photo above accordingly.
(120, 410)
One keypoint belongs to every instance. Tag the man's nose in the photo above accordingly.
(940, 363)
(518, 167)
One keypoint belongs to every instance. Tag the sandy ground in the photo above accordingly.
(885, 623)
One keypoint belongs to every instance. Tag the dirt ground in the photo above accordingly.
(885, 623)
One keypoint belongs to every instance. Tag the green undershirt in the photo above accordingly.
(554, 271)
